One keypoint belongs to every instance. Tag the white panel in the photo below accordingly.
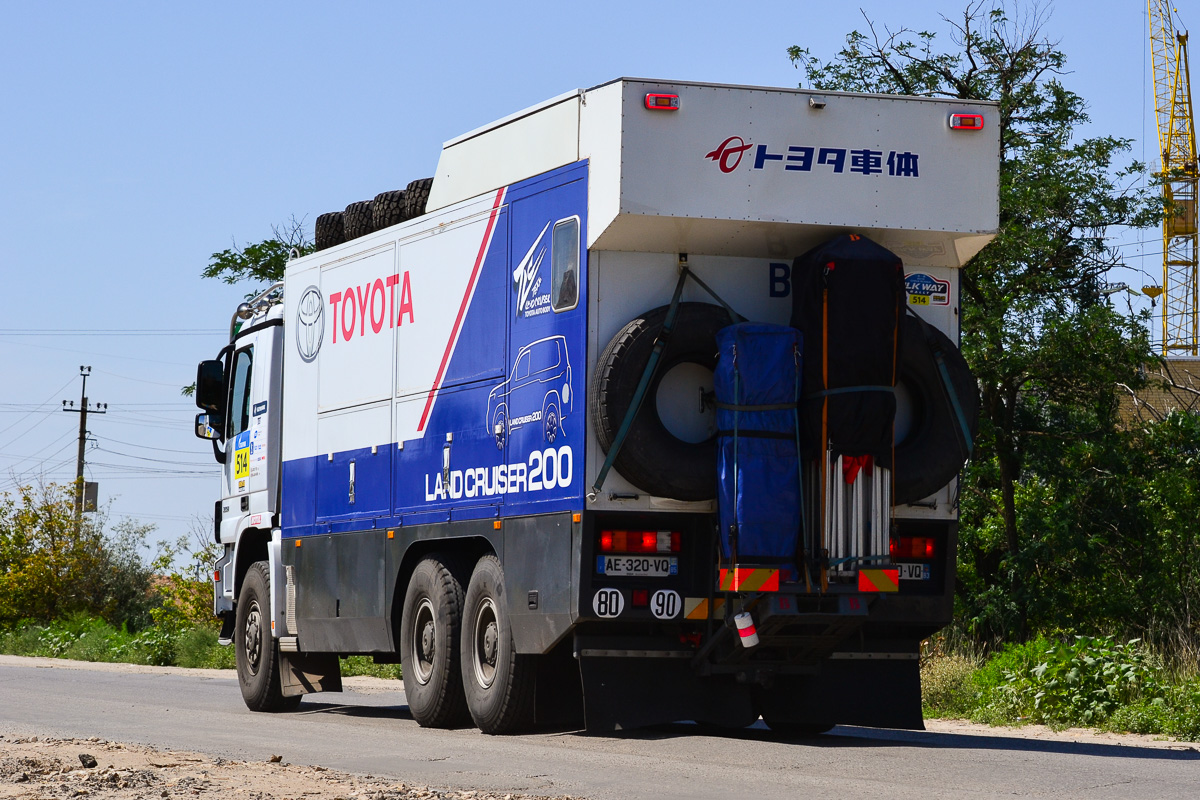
(600, 142)
(365, 426)
(440, 269)
(511, 151)
(667, 168)
(300, 383)
(361, 302)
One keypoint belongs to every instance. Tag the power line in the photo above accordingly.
(110, 331)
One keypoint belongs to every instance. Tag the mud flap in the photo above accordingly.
(228, 621)
(878, 690)
(624, 689)
(305, 673)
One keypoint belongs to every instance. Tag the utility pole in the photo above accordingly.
(82, 411)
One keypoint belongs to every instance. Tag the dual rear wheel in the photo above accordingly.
(457, 650)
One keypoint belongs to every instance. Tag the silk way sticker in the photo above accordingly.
(925, 290)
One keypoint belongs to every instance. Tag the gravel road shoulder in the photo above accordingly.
(41, 768)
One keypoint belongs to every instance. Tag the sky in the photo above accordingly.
(136, 139)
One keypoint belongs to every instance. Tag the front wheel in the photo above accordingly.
(257, 650)
(499, 684)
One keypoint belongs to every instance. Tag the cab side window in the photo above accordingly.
(564, 288)
(239, 392)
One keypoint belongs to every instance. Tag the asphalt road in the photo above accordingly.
(373, 733)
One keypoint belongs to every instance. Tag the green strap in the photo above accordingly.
(953, 395)
(640, 393)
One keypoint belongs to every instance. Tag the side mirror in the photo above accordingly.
(203, 429)
(210, 386)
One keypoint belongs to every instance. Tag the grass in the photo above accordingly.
(90, 639)
(1081, 681)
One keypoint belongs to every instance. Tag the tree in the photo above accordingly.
(1047, 348)
(51, 568)
(261, 262)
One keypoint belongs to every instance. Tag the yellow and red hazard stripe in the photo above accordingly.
(879, 580)
(749, 579)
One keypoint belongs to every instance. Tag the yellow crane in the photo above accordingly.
(1177, 145)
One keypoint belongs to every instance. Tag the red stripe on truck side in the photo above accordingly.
(462, 308)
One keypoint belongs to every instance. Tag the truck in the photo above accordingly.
(652, 411)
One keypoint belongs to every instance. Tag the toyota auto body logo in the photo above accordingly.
(728, 154)
(310, 324)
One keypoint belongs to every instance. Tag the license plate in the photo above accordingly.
(913, 572)
(650, 566)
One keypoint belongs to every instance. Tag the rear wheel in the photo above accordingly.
(256, 649)
(499, 684)
(429, 645)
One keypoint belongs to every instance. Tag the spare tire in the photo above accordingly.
(357, 219)
(330, 230)
(416, 196)
(653, 458)
(387, 209)
(930, 447)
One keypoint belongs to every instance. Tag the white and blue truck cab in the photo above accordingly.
(488, 441)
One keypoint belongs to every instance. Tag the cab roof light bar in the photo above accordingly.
(662, 102)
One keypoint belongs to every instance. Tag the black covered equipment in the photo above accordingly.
(847, 299)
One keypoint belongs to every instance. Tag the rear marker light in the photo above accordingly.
(662, 102)
(966, 122)
(216, 576)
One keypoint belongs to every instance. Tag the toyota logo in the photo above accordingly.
(310, 323)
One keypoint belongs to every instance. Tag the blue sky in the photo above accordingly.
(138, 138)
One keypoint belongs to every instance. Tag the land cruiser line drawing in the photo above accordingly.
(537, 391)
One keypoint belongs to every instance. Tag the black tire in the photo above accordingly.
(499, 684)
(550, 423)
(500, 427)
(932, 450)
(357, 219)
(652, 458)
(429, 645)
(330, 230)
(256, 649)
(416, 197)
(387, 209)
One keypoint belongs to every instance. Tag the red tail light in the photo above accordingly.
(640, 541)
(913, 547)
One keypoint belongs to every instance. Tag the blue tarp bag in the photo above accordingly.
(757, 386)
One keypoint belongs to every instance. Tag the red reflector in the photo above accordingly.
(641, 598)
(216, 576)
(966, 122)
(662, 102)
(675, 541)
